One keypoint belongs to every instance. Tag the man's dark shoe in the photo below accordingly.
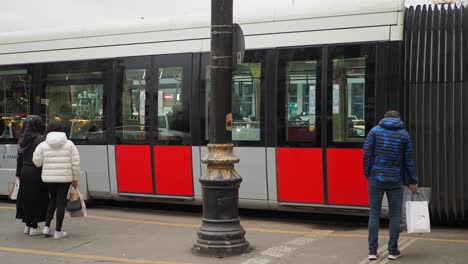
(394, 254)
(372, 254)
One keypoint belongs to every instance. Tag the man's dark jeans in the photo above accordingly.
(394, 196)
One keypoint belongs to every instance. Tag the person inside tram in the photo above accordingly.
(350, 128)
(64, 116)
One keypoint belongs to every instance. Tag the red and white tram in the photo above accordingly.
(317, 76)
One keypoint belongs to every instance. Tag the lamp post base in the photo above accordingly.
(225, 247)
(221, 234)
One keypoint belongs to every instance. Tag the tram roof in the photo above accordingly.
(186, 14)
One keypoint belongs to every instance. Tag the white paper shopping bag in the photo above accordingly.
(417, 217)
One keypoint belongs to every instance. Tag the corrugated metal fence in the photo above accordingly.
(436, 104)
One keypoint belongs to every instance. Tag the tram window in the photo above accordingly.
(247, 112)
(173, 125)
(301, 101)
(246, 103)
(15, 91)
(299, 82)
(133, 126)
(348, 99)
(351, 95)
(76, 98)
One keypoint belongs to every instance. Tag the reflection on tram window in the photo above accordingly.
(173, 125)
(301, 101)
(77, 99)
(348, 99)
(246, 103)
(133, 125)
(15, 91)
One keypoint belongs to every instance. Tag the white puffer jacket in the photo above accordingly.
(58, 157)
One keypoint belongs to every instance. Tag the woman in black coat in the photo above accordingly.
(33, 197)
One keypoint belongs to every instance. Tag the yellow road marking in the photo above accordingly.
(263, 230)
(126, 220)
(81, 256)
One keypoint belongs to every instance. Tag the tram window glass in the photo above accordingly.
(246, 102)
(76, 98)
(247, 112)
(15, 91)
(301, 101)
(351, 81)
(299, 108)
(173, 125)
(133, 126)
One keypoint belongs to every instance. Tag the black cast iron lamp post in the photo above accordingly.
(221, 234)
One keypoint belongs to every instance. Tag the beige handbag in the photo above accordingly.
(74, 196)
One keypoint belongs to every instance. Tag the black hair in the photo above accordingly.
(55, 126)
(392, 113)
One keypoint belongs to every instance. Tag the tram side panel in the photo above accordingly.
(253, 191)
(8, 154)
(94, 170)
(89, 167)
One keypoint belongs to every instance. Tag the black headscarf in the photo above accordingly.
(32, 128)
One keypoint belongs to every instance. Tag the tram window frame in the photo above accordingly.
(251, 56)
(29, 71)
(286, 55)
(133, 63)
(105, 67)
(349, 51)
(184, 61)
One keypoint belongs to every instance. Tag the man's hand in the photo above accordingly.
(413, 187)
(75, 184)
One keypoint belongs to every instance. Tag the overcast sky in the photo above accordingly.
(30, 14)
(18, 15)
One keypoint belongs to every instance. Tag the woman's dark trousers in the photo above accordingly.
(58, 199)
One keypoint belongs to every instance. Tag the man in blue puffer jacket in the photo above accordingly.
(388, 151)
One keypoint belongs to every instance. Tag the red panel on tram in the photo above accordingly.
(173, 170)
(300, 177)
(133, 169)
(347, 184)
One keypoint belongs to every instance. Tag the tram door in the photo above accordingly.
(299, 151)
(172, 158)
(248, 112)
(322, 126)
(153, 152)
(351, 113)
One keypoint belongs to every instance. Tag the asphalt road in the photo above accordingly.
(165, 234)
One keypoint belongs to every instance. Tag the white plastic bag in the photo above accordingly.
(82, 212)
(14, 190)
(417, 215)
(423, 194)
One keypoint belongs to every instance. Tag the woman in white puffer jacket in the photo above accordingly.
(60, 163)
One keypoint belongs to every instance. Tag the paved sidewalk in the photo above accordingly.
(113, 235)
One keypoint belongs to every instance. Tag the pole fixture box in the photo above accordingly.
(238, 46)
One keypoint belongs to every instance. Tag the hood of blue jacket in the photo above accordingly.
(391, 123)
